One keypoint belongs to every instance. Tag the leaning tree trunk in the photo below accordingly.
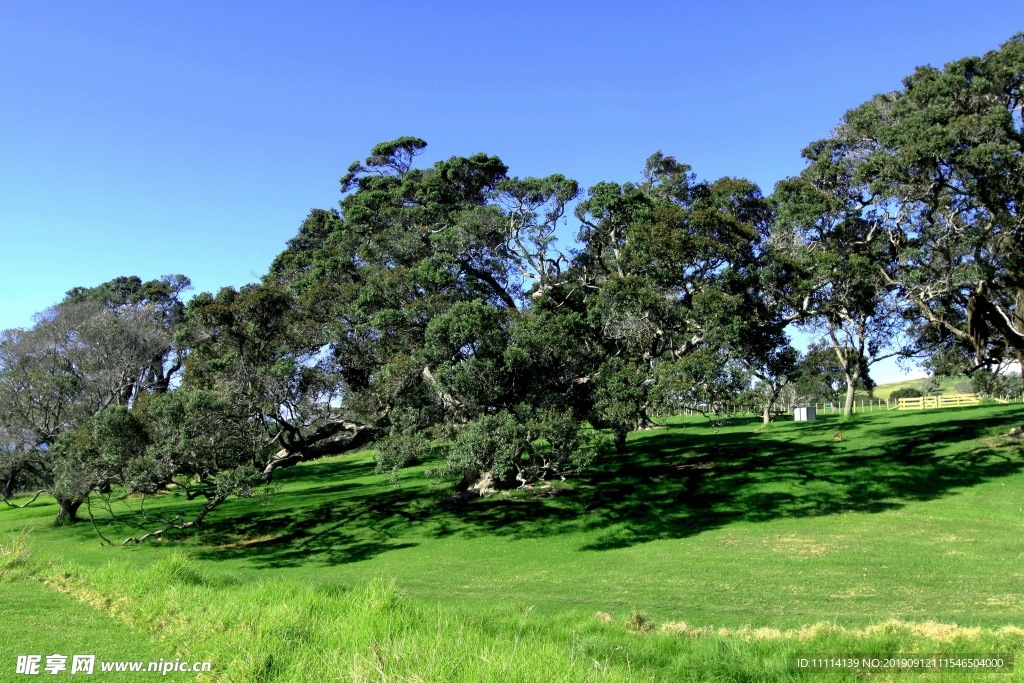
(68, 512)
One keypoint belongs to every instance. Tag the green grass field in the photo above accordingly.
(742, 533)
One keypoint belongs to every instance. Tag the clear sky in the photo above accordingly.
(193, 137)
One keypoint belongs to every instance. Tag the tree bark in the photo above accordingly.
(177, 522)
(328, 440)
(68, 513)
(620, 439)
(851, 385)
(766, 417)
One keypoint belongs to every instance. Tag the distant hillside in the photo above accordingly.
(946, 386)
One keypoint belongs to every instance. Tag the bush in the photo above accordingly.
(995, 385)
(905, 392)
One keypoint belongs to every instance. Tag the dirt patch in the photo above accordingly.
(249, 541)
(794, 545)
(931, 630)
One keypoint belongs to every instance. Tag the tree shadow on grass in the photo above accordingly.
(671, 483)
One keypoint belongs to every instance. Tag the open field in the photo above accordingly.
(913, 516)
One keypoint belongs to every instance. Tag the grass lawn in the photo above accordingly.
(913, 516)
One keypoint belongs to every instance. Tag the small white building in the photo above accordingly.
(805, 414)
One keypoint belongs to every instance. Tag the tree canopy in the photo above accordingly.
(435, 316)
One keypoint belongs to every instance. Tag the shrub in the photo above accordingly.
(905, 392)
(995, 385)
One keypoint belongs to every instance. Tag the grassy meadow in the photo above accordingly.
(701, 553)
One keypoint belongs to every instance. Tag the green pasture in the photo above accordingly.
(946, 387)
(914, 516)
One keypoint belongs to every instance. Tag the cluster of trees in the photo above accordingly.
(435, 315)
(992, 385)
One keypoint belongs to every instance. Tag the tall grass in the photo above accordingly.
(293, 631)
(14, 554)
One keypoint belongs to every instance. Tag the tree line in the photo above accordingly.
(435, 315)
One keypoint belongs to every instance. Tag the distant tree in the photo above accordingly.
(905, 392)
(929, 386)
(964, 386)
(995, 385)
(820, 376)
(100, 349)
(827, 226)
(703, 381)
(774, 371)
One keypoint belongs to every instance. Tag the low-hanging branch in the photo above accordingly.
(25, 505)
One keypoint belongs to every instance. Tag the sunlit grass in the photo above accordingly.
(915, 517)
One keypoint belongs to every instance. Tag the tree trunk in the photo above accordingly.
(766, 416)
(851, 385)
(9, 487)
(620, 439)
(68, 513)
(1020, 362)
(644, 421)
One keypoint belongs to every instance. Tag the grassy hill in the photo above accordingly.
(686, 545)
(946, 386)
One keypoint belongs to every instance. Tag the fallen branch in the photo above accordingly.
(10, 504)
(177, 523)
(88, 506)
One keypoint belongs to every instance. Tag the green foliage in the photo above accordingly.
(930, 386)
(820, 377)
(68, 386)
(996, 385)
(937, 169)
(491, 443)
(704, 380)
(620, 394)
(905, 392)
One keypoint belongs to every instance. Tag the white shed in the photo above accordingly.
(805, 413)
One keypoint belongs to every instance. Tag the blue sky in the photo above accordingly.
(177, 137)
